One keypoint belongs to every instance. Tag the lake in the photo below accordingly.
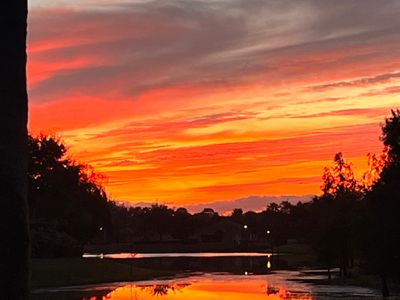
(213, 276)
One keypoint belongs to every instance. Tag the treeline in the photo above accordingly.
(162, 223)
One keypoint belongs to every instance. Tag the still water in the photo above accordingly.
(209, 276)
(194, 254)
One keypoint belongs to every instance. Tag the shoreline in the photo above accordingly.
(64, 272)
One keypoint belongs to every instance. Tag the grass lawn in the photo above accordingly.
(77, 271)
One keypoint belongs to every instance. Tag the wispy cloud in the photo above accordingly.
(131, 48)
(360, 82)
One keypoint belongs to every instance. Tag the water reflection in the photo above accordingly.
(278, 286)
(240, 278)
(255, 264)
(163, 289)
(128, 255)
(215, 288)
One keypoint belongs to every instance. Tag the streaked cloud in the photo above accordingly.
(360, 82)
(196, 101)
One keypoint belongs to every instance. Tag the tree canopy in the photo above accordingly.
(66, 199)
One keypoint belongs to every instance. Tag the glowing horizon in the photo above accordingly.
(187, 103)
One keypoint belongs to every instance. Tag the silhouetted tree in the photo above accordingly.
(14, 250)
(182, 225)
(384, 206)
(237, 215)
(391, 138)
(337, 214)
(126, 222)
(66, 199)
(274, 217)
(159, 220)
(273, 207)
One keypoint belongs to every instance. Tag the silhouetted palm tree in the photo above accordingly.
(14, 248)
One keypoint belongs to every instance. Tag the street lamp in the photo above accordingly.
(103, 233)
(245, 226)
(270, 240)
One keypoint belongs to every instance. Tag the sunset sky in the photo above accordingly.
(188, 102)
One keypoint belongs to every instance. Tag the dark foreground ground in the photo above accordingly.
(79, 271)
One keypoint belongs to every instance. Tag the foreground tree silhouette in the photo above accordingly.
(384, 206)
(67, 202)
(336, 213)
(14, 249)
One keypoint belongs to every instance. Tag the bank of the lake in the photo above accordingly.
(78, 271)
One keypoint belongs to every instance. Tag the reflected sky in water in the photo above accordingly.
(155, 255)
(278, 285)
(242, 278)
(214, 287)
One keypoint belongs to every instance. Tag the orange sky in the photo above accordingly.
(193, 102)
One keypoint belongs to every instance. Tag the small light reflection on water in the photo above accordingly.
(268, 261)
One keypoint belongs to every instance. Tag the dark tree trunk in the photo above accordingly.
(343, 260)
(329, 272)
(385, 289)
(14, 233)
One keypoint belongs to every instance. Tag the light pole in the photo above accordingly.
(103, 234)
(270, 240)
(245, 236)
(102, 254)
